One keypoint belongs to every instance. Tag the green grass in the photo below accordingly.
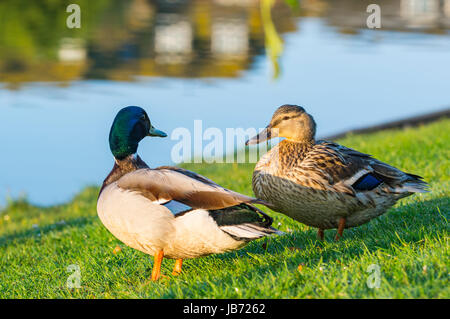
(409, 243)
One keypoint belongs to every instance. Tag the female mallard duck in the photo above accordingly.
(168, 211)
(324, 184)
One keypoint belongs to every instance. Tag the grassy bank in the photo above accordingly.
(409, 244)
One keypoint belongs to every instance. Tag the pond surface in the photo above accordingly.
(228, 63)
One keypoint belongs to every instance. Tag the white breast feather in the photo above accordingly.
(134, 219)
(149, 227)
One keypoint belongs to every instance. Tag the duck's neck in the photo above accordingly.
(122, 167)
(292, 153)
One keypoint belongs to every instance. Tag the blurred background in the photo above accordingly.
(230, 63)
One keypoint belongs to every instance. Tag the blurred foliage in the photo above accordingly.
(31, 33)
(274, 44)
(33, 29)
(117, 39)
(293, 4)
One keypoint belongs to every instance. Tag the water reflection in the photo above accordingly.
(133, 38)
(173, 39)
(122, 40)
(404, 15)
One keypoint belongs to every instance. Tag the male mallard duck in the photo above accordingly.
(324, 184)
(168, 211)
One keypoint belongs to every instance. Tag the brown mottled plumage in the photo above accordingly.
(324, 184)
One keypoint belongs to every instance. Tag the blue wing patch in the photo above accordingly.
(367, 183)
(177, 208)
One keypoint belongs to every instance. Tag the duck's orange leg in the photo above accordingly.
(340, 229)
(156, 272)
(320, 234)
(177, 267)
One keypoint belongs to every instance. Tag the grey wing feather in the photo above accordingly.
(186, 187)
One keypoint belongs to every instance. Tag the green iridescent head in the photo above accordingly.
(130, 126)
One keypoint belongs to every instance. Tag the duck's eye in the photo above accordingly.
(143, 117)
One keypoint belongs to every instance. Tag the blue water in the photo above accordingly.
(54, 139)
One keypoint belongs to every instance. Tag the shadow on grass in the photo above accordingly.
(402, 224)
(405, 225)
(38, 232)
(409, 224)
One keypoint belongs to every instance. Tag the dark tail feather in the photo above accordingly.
(416, 184)
(415, 176)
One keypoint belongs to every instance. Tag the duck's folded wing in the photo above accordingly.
(167, 184)
(330, 166)
(349, 171)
